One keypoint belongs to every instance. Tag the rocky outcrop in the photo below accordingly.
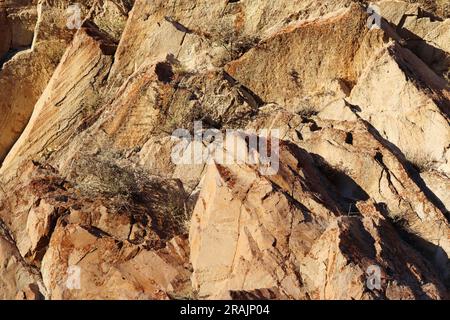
(286, 233)
(285, 60)
(352, 205)
(19, 280)
(266, 226)
(38, 37)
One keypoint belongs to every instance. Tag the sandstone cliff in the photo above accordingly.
(93, 206)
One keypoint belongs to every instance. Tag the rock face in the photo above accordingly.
(98, 200)
(35, 39)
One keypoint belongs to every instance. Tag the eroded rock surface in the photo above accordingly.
(94, 206)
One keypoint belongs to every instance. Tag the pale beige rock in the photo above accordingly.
(439, 184)
(359, 62)
(95, 207)
(108, 269)
(266, 239)
(417, 25)
(300, 72)
(338, 110)
(339, 264)
(39, 30)
(409, 114)
(18, 279)
(88, 53)
(351, 150)
(259, 227)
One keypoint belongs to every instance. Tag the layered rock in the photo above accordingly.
(265, 225)
(94, 206)
(295, 62)
(277, 233)
(38, 36)
(18, 280)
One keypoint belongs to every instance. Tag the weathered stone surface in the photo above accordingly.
(93, 204)
(302, 76)
(439, 184)
(270, 240)
(339, 270)
(265, 224)
(18, 280)
(124, 272)
(385, 92)
(38, 36)
(425, 34)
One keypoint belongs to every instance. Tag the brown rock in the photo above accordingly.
(93, 205)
